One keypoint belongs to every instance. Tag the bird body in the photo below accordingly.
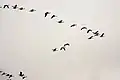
(46, 13)
(89, 30)
(95, 32)
(61, 21)
(53, 16)
(73, 25)
(55, 49)
(10, 76)
(62, 48)
(21, 8)
(32, 10)
(3, 73)
(6, 6)
(67, 44)
(15, 6)
(83, 28)
(90, 37)
(102, 35)
(7, 75)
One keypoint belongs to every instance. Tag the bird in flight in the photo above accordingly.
(102, 35)
(3, 73)
(46, 13)
(55, 49)
(67, 44)
(62, 48)
(73, 25)
(21, 8)
(24, 77)
(6, 6)
(32, 10)
(7, 75)
(89, 30)
(83, 28)
(95, 32)
(21, 74)
(61, 21)
(15, 6)
(10, 76)
(53, 16)
(90, 37)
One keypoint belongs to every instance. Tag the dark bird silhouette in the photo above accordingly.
(102, 35)
(3, 73)
(32, 10)
(83, 28)
(73, 25)
(10, 76)
(67, 44)
(21, 74)
(95, 32)
(89, 30)
(46, 13)
(53, 16)
(15, 6)
(21, 8)
(62, 48)
(55, 49)
(90, 37)
(61, 21)
(7, 74)
(24, 77)
(6, 6)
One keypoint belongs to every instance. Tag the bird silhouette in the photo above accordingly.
(62, 48)
(3, 73)
(55, 49)
(7, 74)
(21, 74)
(61, 21)
(24, 77)
(95, 32)
(89, 30)
(83, 28)
(90, 37)
(10, 76)
(32, 10)
(67, 44)
(46, 13)
(73, 25)
(53, 16)
(102, 35)
(15, 6)
(6, 6)
(21, 8)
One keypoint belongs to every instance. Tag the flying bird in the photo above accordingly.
(73, 25)
(53, 16)
(90, 37)
(46, 13)
(3, 73)
(21, 8)
(21, 74)
(89, 30)
(62, 48)
(83, 28)
(32, 10)
(55, 49)
(95, 32)
(67, 44)
(24, 77)
(61, 21)
(10, 76)
(6, 6)
(102, 35)
(15, 7)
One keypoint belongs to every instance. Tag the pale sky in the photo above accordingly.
(27, 40)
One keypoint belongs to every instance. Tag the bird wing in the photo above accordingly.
(83, 28)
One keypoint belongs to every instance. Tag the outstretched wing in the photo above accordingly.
(83, 28)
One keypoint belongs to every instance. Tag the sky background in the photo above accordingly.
(27, 40)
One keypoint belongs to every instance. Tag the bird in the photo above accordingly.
(46, 13)
(32, 10)
(73, 25)
(10, 76)
(53, 16)
(95, 32)
(3, 73)
(24, 77)
(6, 6)
(67, 44)
(62, 48)
(61, 21)
(55, 49)
(15, 6)
(21, 8)
(7, 74)
(83, 28)
(90, 37)
(102, 35)
(89, 30)
(21, 74)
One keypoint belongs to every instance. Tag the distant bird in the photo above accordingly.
(10, 76)
(21, 74)
(55, 49)
(89, 30)
(61, 21)
(67, 44)
(3, 73)
(46, 13)
(73, 25)
(24, 77)
(62, 48)
(83, 28)
(102, 35)
(21, 8)
(53, 16)
(6, 6)
(32, 10)
(15, 6)
(95, 32)
(90, 37)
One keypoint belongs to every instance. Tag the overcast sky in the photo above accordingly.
(27, 40)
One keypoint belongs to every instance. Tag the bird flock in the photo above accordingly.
(11, 76)
(96, 33)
